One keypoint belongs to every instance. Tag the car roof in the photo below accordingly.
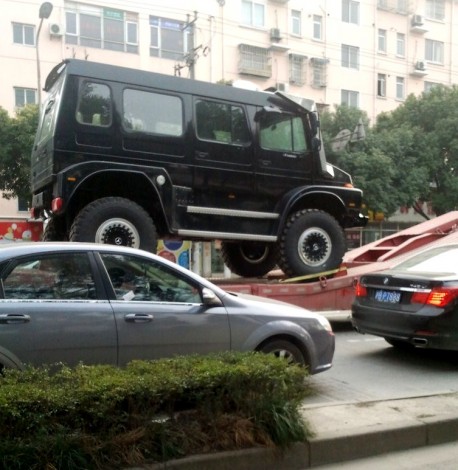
(15, 249)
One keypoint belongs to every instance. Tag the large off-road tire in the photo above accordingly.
(312, 242)
(115, 221)
(249, 259)
(54, 230)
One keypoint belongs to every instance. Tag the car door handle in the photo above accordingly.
(8, 318)
(201, 155)
(138, 317)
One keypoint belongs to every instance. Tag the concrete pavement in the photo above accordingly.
(344, 432)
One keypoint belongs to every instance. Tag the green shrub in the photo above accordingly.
(103, 417)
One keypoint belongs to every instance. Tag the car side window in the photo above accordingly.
(221, 122)
(137, 279)
(282, 132)
(94, 105)
(50, 276)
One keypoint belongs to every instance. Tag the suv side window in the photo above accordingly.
(94, 104)
(220, 122)
(282, 132)
(152, 112)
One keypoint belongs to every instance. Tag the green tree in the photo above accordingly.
(427, 153)
(372, 170)
(16, 140)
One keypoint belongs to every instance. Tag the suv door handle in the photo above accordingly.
(200, 154)
(138, 317)
(9, 318)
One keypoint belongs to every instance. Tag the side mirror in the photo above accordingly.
(210, 298)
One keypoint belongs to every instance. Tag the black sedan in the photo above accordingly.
(415, 303)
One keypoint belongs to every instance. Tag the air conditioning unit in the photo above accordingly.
(282, 86)
(55, 29)
(417, 20)
(275, 34)
(420, 65)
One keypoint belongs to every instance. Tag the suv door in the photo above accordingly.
(223, 156)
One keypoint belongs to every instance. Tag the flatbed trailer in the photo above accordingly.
(333, 296)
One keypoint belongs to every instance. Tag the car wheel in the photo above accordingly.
(285, 350)
(399, 344)
(115, 221)
(312, 242)
(249, 259)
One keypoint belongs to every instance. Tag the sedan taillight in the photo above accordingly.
(361, 291)
(437, 297)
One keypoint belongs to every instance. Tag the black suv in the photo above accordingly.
(126, 157)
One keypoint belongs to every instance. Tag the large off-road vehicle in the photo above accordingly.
(126, 157)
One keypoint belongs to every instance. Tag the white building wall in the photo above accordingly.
(219, 30)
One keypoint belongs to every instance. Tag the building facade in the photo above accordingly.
(370, 54)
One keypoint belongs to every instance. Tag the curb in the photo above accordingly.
(388, 426)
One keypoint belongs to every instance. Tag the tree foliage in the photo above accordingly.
(16, 140)
(409, 155)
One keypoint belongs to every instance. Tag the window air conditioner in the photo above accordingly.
(417, 20)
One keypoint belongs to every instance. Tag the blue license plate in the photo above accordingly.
(389, 296)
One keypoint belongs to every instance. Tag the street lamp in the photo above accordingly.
(44, 13)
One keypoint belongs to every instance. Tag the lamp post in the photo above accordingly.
(44, 13)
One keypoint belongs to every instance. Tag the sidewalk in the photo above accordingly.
(343, 432)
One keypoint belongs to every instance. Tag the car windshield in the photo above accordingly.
(442, 259)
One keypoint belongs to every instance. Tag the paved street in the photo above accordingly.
(443, 457)
(366, 368)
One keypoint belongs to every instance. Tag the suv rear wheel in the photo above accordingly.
(115, 221)
(312, 242)
(249, 259)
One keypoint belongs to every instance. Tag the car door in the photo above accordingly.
(159, 311)
(51, 311)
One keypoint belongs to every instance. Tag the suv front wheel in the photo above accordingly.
(312, 242)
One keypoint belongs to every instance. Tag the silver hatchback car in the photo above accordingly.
(103, 304)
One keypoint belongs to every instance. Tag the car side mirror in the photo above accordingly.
(210, 298)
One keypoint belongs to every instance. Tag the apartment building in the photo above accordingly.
(370, 53)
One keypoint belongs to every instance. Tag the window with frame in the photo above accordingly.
(400, 45)
(50, 276)
(382, 41)
(296, 22)
(317, 27)
(253, 13)
(349, 98)
(167, 118)
(221, 122)
(319, 72)
(381, 85)
(400, 88)
(350, 56)
(254, 60)
(297, 69)
(23, 34)
(140, 280)
(350, 11)
(101, 28)
(282, 133)
(427, 86)
(94, 104)
(435, 9)
(434, 51)
(24, 96)
(169, 38)
(23, 204)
